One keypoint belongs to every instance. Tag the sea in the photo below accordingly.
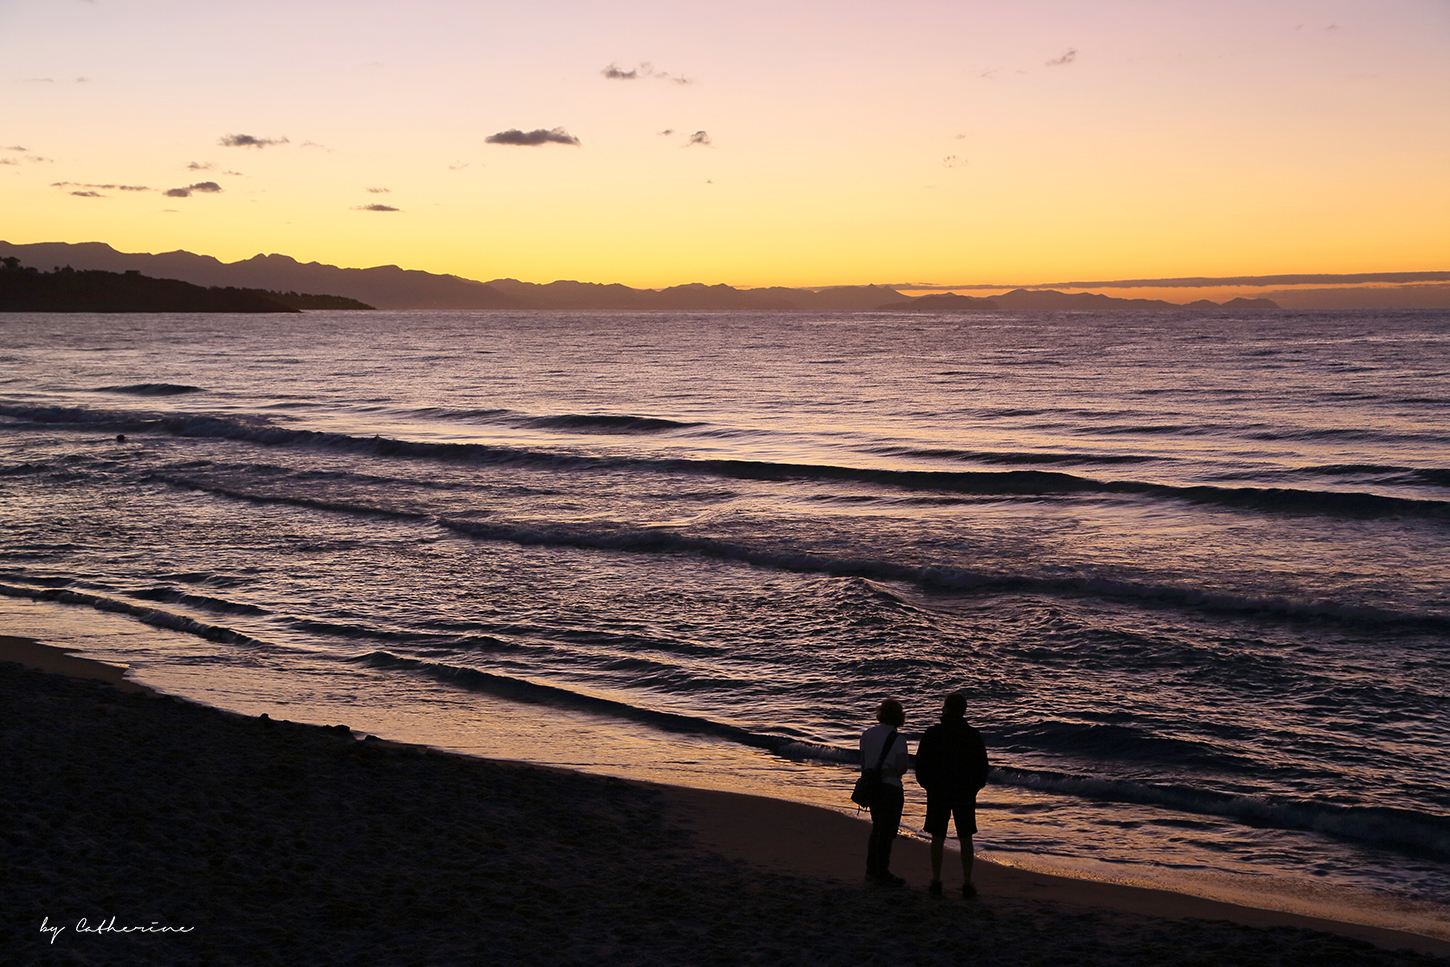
(1191, 570)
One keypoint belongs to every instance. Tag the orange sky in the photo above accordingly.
(804, 143)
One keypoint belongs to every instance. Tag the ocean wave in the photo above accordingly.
(1123, 742)
(1419, 834)
(151, 389)
(1008, 458)
(936, 578)
(26, 469)
(155, 617)
(1030, 484)
(536, 693)
(606, 424)
(204, 602)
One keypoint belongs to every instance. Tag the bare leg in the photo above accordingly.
(968, 856)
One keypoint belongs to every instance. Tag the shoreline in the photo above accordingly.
(758, 838)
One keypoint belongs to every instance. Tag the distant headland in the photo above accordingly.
(280, 278)
(65, 289)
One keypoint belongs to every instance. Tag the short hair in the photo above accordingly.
(891, 712)
(954, 707)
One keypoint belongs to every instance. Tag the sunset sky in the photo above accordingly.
(792, 142)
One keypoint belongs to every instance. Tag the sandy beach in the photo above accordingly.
(142, 829)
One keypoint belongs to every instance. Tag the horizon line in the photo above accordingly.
(1198, 282)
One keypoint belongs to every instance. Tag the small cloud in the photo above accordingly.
(952, 161)
(74, 184)
(699, 137)
(458, 166)
(205, 187)
(314, 144)
(614, 73)
(375, 208)
(531, 138)
(249, 141)
(234, 174)
(197, 166)
(378, 191)
(1066, 58)
(16, 147)
(8, 161)
(667, 132)
(88, 194)
(960, 137)
(83, 80)
(38, 80)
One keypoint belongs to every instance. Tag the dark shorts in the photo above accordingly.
(939, 810)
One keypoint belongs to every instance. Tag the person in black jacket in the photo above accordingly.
(951, 765)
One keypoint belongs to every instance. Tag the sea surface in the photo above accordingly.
(1192, 571)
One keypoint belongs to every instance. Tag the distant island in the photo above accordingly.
(280, 278)
(27, 289)
(1050, 300)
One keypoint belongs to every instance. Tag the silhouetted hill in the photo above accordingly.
(67, 290)
(389, 287)
(385, 286)
(943, 302)
(695, 295)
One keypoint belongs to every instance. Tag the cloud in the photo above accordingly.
(667, 132)
(314, 144)
(375, 208)
(37, 159)
(379, 191)
(8, 161)
(614, 73)
(205, 187)
(248, 141)
(531, 138)
(88, 194)
(458, 166)
(76, 184)
(196, 166)
(1066, 58)
(699, 137)
(952, 161)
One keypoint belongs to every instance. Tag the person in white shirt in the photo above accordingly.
(886, 810)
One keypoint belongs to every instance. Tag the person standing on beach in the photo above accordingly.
(881, 743)
(951, 765)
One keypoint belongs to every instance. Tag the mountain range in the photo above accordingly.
(391, 287)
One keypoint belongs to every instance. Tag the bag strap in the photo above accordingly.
(885, 748)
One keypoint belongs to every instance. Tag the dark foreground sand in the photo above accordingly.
(272, 843)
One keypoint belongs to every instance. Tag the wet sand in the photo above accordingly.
(141, 829)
